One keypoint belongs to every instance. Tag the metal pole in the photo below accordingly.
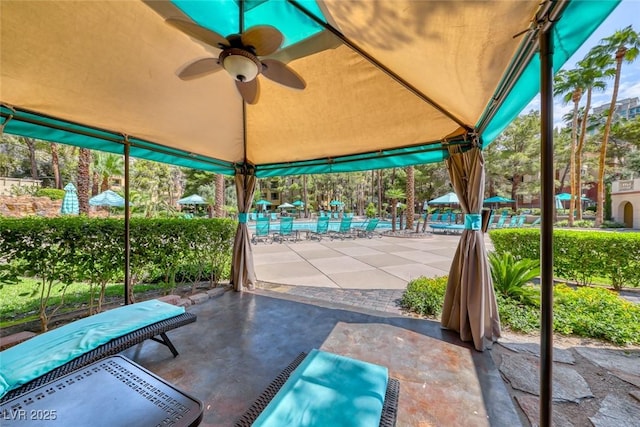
(127, 243)
(546, 229)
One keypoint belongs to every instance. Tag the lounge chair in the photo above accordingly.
(30, 364)
(369, 228)
(435, 216)
(322, 229)
(262, 232)
(344, 231)
(513, 222)
(521, 221)
(343, 380)
(501, 220)
(253, 216)
(286, 231)
(536, 222)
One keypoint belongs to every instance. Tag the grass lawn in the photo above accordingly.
(20, 303)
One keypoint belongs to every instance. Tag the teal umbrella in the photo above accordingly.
(70, 205)
(298, 203)
(566, 196)
(193, 199)
(498, 199)
(107, 198)
(447, 199)
(336, 203)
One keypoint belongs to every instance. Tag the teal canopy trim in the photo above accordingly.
(33, 125)
(577, 22)
(472, 221)
(223, 16)
(400, 157)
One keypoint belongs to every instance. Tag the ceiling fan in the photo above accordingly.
(241, 56)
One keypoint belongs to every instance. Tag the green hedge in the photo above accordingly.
(579, 255)
(91, 250)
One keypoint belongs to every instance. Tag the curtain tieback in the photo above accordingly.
(242, 218)
(472, 221)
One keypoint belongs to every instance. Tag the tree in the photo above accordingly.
(569, 83)
(31, 146)
(624, 46)
(592, 76)
(219, 206)
(84, 179)
(106, 166)
(394, 194)
(513, 156)
(410, 196)
(55, 166)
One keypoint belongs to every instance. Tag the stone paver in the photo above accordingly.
(523, 373)
(616, 412)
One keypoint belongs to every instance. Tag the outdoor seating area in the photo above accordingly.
(287, 229)
(451, 223)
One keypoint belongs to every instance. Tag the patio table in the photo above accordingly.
(110, 392)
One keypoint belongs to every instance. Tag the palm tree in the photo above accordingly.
(410, 196)
(219, 206)
(592, 78)
(394, 194)
(55, 166)
(623, 45)
(84, 179)
(569, 83)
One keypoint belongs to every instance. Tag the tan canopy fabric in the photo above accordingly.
(113, 65)
(243, 274)
(470, 306)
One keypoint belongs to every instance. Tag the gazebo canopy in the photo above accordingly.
(388, 82)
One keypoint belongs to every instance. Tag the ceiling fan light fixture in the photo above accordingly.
(242, 65)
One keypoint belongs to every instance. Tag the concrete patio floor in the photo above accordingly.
(242, 341)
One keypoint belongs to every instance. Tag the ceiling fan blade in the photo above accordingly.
(250, 91)
(199, 68)
(281, 73)
(265, 39)
(197, 32)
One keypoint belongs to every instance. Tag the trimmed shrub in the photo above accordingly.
(52, 193)
(579, 255)
(425, 295)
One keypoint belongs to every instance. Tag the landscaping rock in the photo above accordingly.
(170, 299)
(216, 292)
(523, 372)
(184, 302)
(199, 298)
(616, 412)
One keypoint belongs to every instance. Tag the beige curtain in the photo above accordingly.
(470, 304)
(243, 275)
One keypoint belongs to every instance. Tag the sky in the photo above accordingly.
(627, 13)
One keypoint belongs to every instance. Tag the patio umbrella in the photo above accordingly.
(336, 203)
(107, 198)
(447, 199)
(193, 199)
(286, 206)
(263, 203)
(70, 205)
(566, 196)
(498, 199)
(298, 203)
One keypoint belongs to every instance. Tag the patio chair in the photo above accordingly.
(322, 228)
(286, 231)
(536, 222)
(262, 232)
(513, 222)
(435, 216)
(369, 228)
(344, 231)
(521, 220)
(501, 220)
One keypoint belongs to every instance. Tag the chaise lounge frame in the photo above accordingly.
(155, 331)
